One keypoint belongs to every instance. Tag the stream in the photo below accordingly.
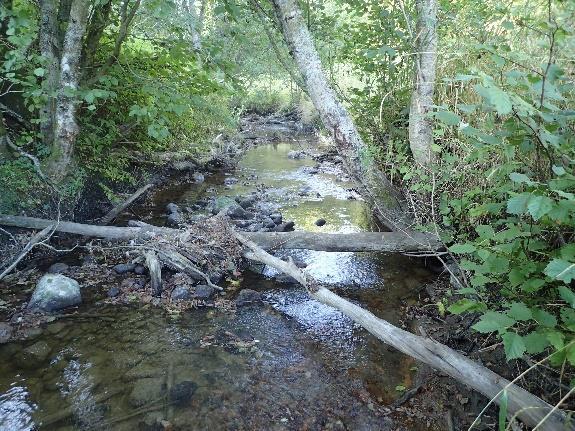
(289, 363)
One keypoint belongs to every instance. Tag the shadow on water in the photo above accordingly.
(291, 363)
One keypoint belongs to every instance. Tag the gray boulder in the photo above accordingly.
(113, 292)
(295, 155)
(174, 219)
(172, 208)
(230, 181)
(320, 222)
(54, 292)
(285, 227)
(276, 217)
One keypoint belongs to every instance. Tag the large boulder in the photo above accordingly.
(54, 292)
(235, 211)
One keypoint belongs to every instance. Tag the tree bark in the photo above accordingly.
(529, 408)
(49, 47)
(420, 124)
(195, 23)
(363, 241)
(360, 163)
(66, 129)
(94, 33)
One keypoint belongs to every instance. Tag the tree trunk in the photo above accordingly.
(420, 125)
(362, 241)
(360, 162)
(97, 25)
(194, 23)
(49, 47)
(66, 129)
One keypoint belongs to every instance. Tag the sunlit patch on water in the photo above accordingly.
(16, 409)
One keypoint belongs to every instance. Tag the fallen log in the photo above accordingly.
(117, 210)
(529, 408)
(358, 242)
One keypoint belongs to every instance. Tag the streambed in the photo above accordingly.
(290, 363)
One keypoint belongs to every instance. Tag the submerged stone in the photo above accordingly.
(248, 296)
(146, 391)
(54, 292)
(182, 392)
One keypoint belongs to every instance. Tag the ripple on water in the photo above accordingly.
(16, 409)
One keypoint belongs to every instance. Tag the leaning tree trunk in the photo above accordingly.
(335, 117)
(66, 129)
(420, 124)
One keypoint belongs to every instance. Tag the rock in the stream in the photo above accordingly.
(182, 393)
(269, 223)
(58, 268)
(248, 296)
(181, 293)
(113, 292)
(5, 332)
(235, 211)
(203, 291)
(140, 270)
(276, 217)
(198, 177)
(246, 202)
(174, 219)
(320, 222)
(172, 208)
(295, 155)
(89, 260)
(230, 181)
(54, 292)
(146, 391)
(285, 227)
(38, 351)
(304, 190)
(124, 268)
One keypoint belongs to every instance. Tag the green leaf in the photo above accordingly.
(39, 71)
(462, 248)
(567, 295)
(518, 204)
(496, 97)
(448, 118)
(560, 269)
(516, 177)
(493, 321)
(558, 170)
(514, 345)
(539, 206)
(544, 318)
(464, 305)
(519, 311)
(485, 231)
(535, 342)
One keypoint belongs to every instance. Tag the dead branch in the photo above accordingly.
(155, 269)
(117, 210)
(529, 408)
(40, 236)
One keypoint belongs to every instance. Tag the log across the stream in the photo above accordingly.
(532, 410)
(361, 241)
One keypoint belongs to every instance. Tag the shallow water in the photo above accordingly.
(291, 363)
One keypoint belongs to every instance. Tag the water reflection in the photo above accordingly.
(16, 409)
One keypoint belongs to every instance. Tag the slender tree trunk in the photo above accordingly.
(420, 125)
(66, 129)
(49, 47)
(96, 27)
(195, 24)
(360, 163)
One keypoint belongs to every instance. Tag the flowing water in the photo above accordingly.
(288, 364)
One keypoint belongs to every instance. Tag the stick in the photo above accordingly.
(40, 236)
(529, 408)
(117, 210)
(155, 269)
